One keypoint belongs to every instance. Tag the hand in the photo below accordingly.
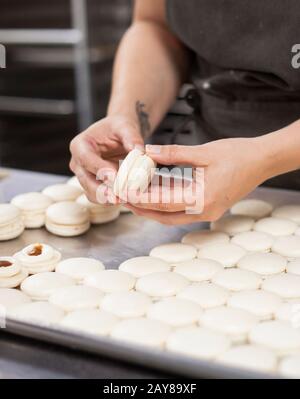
(232, 169)
(99, 149)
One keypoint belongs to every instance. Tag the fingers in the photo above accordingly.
(174, 154)
(86, 156)
(174, 218)
(131, 139)
(87, 181)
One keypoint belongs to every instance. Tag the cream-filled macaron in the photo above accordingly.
(76, 297)
(263, 263)
(176, 312)
(10, 298)
(126, 304)
(143, 265)
(236, 323)
(254, 208)
(285, 285)
(261, 303)
(174, 252)
(237, 279)
(287, 246)
(11, 222)
(254, 241)
(289, 312)
(198, 342)
(135, 173)
(142, 331)
(225, 253)
(73, 181)
(205, 294)
(99, 213)
(41, 286)
(290, 212)
(9, 266)
(289, 367)
(200, 238)
(198, 269)
(111, 281)
(92, 321)
(38, 258)
(62, 192)
(13, 281)
(67, 219)
(276, 335)
(79, 268)
(37, 312)
(233, 224)
(161, 284)
(252, 357)
(276, 226)
(33, 207)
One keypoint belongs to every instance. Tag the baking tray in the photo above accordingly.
(113, 243)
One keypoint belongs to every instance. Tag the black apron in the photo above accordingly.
(245, 84)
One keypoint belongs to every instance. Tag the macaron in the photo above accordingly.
(11, 272)
(91, 321)
(62, 192)
(233, 224)
(67, 219)
(40, 286)
(254, 208)
(73, 181)
(174, 252)
(135, 173)
(79, 268)
(99, 213)
(37, 312)
(11, 222)
(38, 258)
(11, 298)
(33, 207)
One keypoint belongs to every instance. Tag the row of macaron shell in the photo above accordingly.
(62, 208)
(161, 311)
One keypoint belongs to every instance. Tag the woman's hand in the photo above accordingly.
(99, 148)
(232, 168)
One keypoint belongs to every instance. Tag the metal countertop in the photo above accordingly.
(111, 243)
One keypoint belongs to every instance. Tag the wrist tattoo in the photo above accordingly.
(143, 118)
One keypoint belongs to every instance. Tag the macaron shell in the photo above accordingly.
(11, 270)
(14, 281)
(125, 167)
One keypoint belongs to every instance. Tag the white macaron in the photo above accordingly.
(11, 222)
(99, 213)
(67, 219)
(33, 207)
(62, 192)
(79, 268)
(37, 258)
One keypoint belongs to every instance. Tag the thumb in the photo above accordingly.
(131, 138)
(173, 154)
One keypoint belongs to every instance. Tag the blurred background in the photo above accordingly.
(58, 76)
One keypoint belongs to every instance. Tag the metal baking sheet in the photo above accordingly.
(113, 243)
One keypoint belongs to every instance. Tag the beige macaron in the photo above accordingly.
(33, 207)
(62, 192)
(67, 219)
(11, 222)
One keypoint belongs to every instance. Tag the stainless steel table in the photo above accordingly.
(112, 243)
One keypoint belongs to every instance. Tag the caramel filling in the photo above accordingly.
(36, 251)
(5, 263)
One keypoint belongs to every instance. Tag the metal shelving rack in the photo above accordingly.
(77, 38)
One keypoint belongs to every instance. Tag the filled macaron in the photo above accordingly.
(33, 207)
(99, 213)
(11, 222)
(62, 192)
(67, 219)
(38, 258)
